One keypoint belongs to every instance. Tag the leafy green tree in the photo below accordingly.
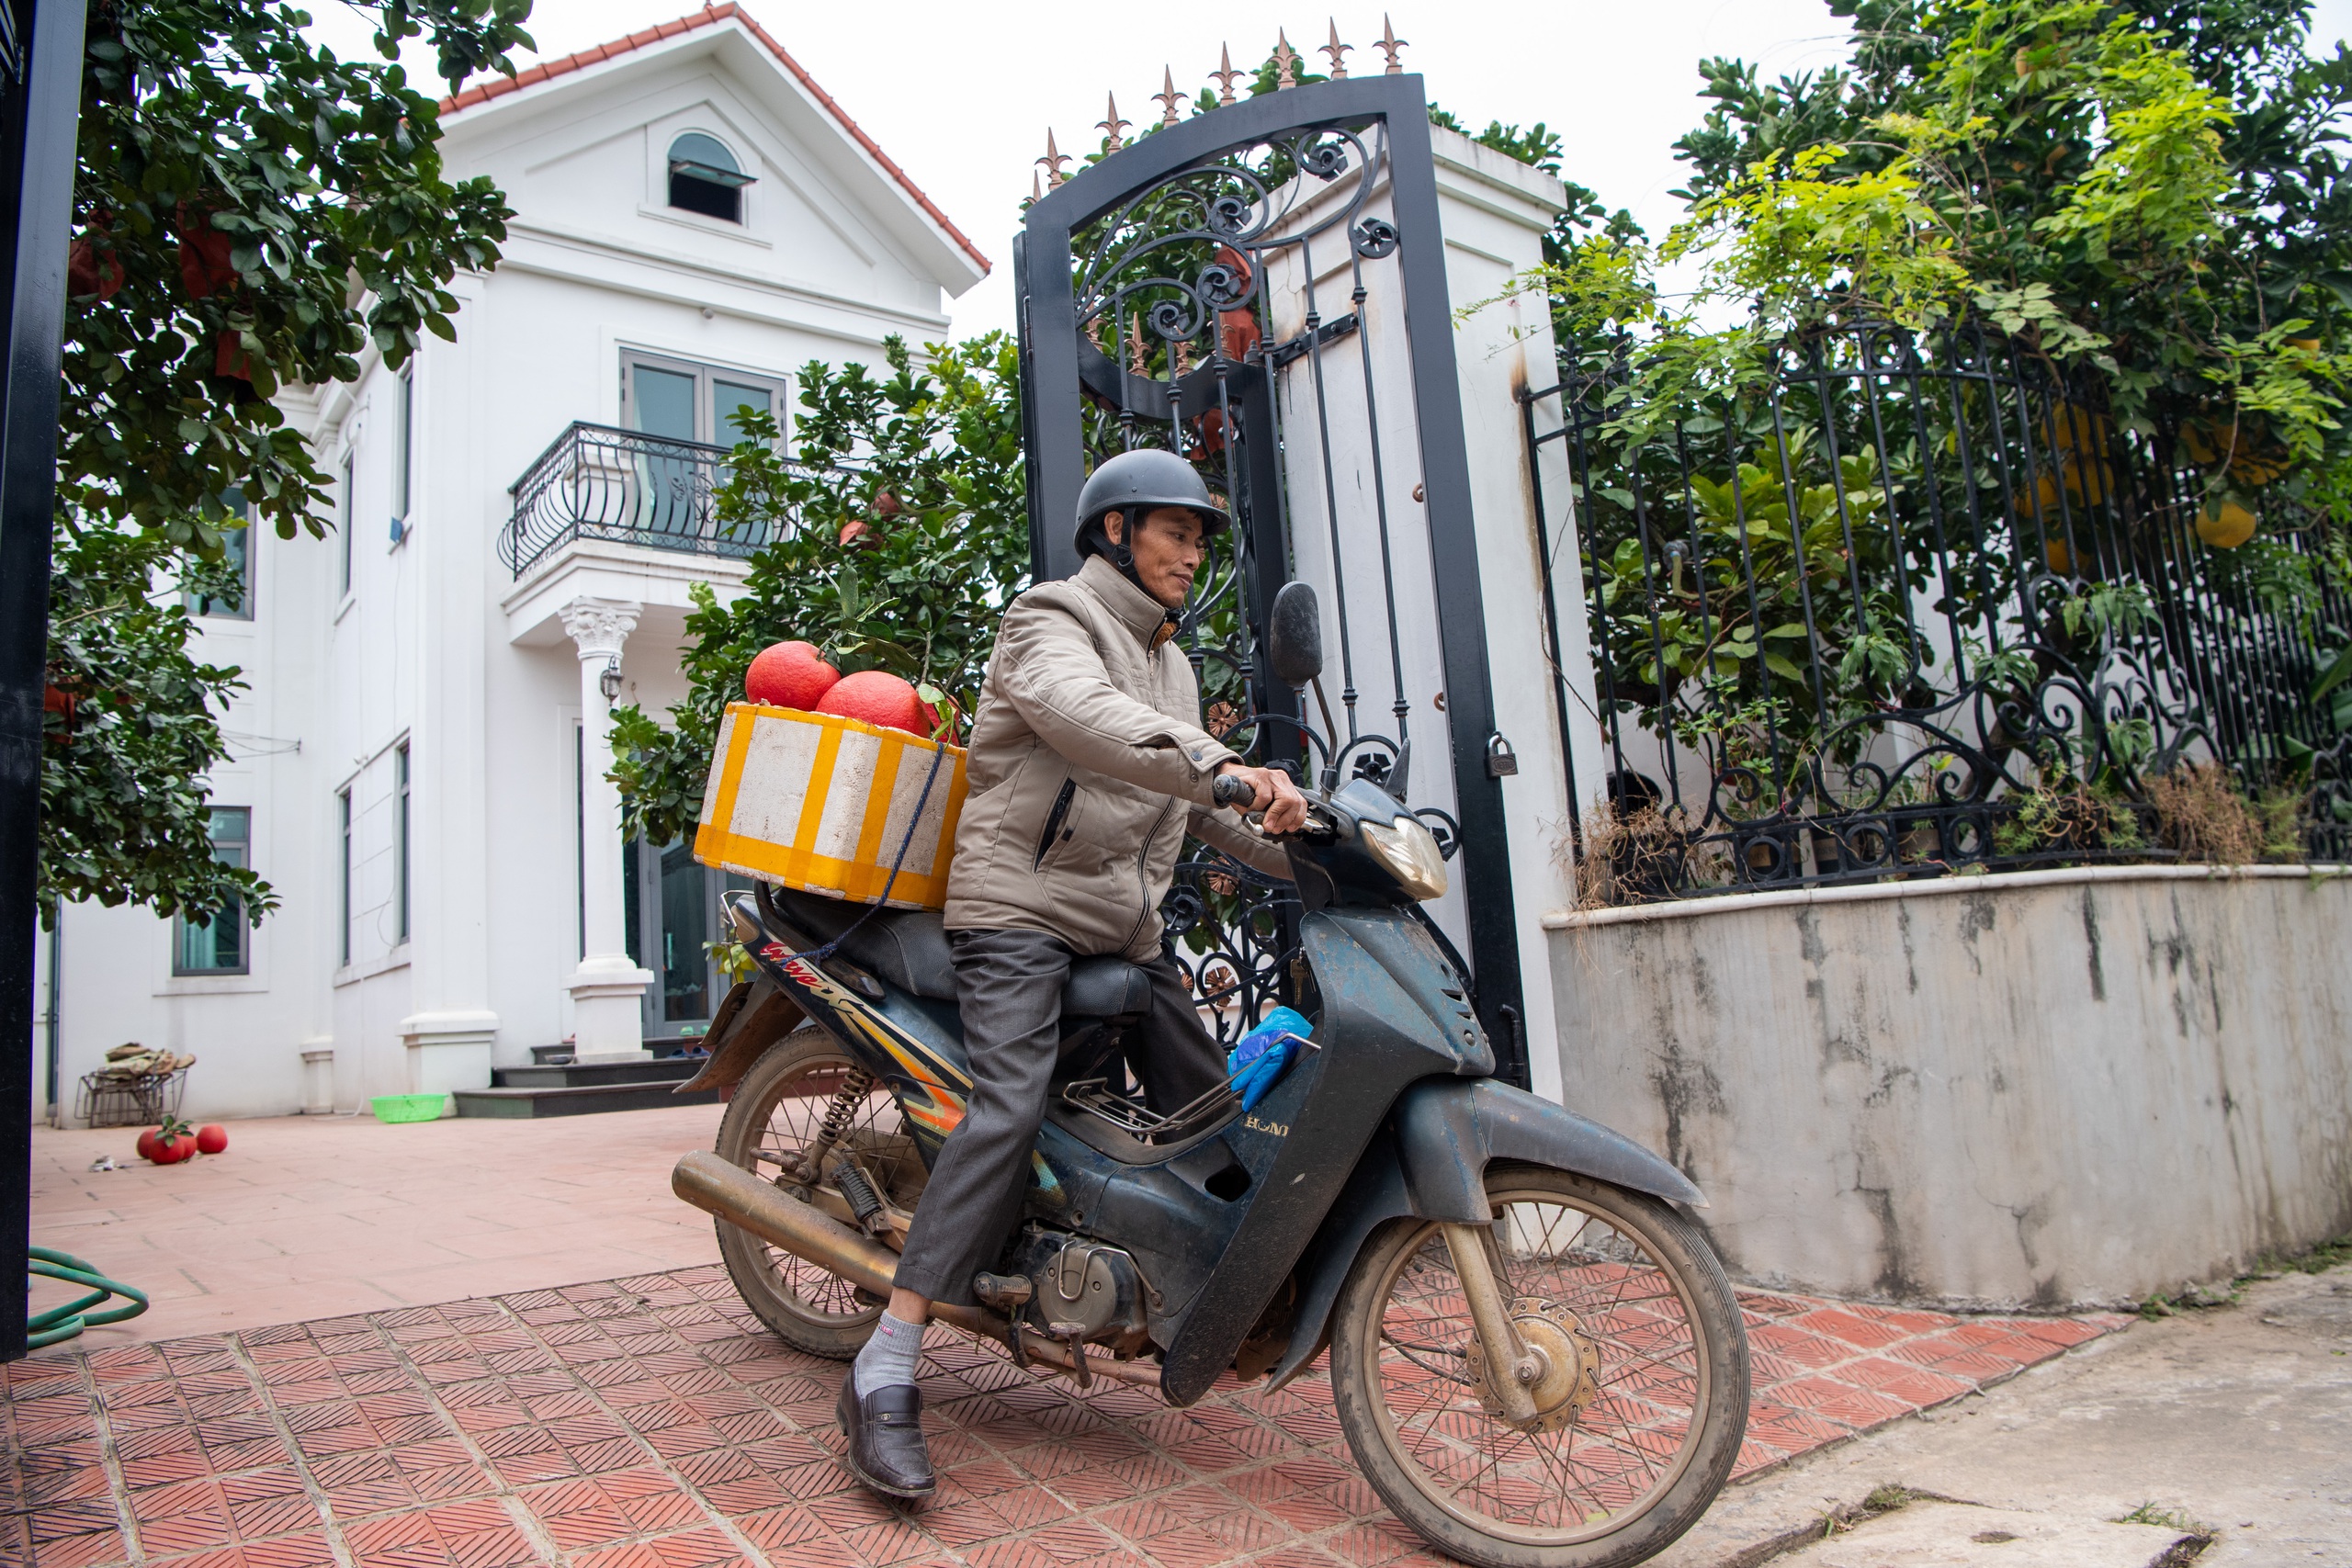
(2157, 191)
(249, 212)
(900, 531)
(131, 732)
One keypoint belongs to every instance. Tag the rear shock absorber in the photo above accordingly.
(805, 1165)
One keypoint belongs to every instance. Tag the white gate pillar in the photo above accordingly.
(608, 988)
(1493, 213)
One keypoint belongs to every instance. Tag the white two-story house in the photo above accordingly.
(418, 763)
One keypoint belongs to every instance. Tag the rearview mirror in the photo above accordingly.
(1295, 635)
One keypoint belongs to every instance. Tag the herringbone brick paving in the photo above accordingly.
(652, 1422)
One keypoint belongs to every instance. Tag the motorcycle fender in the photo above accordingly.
(1429, 1163)
(755, 1015)
(1448, 1129)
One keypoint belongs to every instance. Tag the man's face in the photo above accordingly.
(1168, 551)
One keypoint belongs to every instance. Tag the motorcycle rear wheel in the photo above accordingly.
(1636, 1459)
(777, 1112)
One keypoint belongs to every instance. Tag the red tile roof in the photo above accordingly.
(498, 86)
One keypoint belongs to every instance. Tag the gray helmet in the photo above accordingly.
(1134, 482)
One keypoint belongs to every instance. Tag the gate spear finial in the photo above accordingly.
(1224, 73)
(1053, 160)
(1286, 58)
(1113, 124)
(1166, 97)
(1388, 45)
(1335, 49)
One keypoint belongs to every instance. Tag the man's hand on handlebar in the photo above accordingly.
(1272, 793)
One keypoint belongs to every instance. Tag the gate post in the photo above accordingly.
(1494, 213)
(1487, 614)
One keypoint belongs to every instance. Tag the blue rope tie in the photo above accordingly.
(914, 826)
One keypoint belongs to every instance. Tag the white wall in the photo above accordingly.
(2028, 1089)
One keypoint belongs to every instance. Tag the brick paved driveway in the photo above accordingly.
(649, 1423)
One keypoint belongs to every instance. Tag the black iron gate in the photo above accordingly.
(1261, 289)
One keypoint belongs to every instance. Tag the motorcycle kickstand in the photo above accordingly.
(1072, 1336)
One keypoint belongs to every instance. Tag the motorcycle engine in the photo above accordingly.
(1084, 1291)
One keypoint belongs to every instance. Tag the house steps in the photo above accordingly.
(556, 1086)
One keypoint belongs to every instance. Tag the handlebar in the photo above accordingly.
(1226, 790)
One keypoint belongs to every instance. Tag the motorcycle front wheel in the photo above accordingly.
(1632, 1310)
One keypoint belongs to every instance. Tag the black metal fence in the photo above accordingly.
(1899, 607)
(597, 481)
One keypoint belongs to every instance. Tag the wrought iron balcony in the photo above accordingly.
(597, 481)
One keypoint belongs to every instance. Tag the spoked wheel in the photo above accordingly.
(804, 1106)
(1636, 1377)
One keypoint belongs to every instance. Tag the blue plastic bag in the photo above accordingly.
(1259, 1059)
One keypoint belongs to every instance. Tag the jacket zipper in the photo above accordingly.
(1143, 886)
(1054, 821)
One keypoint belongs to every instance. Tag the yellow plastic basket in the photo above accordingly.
(822, 803)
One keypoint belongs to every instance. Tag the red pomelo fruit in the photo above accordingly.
(789, 675)
(879, 698)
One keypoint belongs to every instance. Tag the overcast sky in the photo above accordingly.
(961, 94)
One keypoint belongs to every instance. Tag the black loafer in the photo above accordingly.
(886, 1447)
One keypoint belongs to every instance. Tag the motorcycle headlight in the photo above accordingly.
(1408, 851)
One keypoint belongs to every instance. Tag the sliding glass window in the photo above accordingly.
(215, 945)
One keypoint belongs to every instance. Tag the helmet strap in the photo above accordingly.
(1116, 552)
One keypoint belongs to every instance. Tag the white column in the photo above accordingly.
(1493, 213)
(608, 988)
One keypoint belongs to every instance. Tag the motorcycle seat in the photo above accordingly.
(908, 948)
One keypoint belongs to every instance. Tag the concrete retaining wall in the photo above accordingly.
(2040, 1089)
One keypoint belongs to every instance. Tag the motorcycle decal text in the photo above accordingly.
(940, 1087)
(935, 1097)
(1277, 1129)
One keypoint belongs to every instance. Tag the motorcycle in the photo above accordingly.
(1535, 1358)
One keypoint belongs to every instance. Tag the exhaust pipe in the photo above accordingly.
(745, 1202)
(805, 1231)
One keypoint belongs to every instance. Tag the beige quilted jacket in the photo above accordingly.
(1087, 767)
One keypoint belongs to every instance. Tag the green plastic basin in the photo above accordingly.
(409, 1107)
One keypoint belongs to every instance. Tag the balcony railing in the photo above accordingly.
(600, 483)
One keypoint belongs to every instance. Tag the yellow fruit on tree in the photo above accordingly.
(2224, 525)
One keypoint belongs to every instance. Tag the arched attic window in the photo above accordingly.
(705, 178)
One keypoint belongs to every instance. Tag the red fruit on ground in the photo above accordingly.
(173, 1149)
(789, 675)
(146, 1145)
(212, 1138)
(878, 698)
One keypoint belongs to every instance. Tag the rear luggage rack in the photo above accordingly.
(1097, 1098)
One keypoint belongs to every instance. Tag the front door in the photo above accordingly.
(671, 906)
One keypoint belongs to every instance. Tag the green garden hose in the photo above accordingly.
(65, 1322)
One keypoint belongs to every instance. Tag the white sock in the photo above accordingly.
(890, 1357)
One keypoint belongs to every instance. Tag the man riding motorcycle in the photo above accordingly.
(1087, 767)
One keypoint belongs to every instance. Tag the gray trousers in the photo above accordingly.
(1009, 984)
